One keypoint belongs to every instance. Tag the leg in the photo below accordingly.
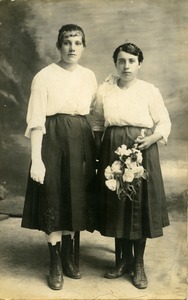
(76, 248)
(55, 279)
(139, 279)
(69, 266)
(118, 250)
(124, 264)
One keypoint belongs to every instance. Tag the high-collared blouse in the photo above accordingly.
(139, 105)
(56, 90)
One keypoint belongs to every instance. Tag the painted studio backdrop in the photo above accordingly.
(28, 31)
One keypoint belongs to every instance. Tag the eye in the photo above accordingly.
(132, 61)
(65, 43)
(121, 61)
(78, 43)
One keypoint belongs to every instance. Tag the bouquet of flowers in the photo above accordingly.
(124, 175)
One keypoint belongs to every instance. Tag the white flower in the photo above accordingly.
(130, 164)
(108, 173)
(123, 151)
(128, 175)
(111, 184)
(116, 167)
(139, 157)
(138, 171)
(126, 169)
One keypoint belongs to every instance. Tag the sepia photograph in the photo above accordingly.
(93, 149)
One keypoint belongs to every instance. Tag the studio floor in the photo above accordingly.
(24, 261)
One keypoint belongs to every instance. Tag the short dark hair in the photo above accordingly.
(129, 48)
(69, 27)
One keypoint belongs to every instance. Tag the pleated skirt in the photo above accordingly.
(65, 199)
(147, 214)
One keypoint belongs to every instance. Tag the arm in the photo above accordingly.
(161, 121)
(160, 117)
(38, 170)
(36, 116)
(98, 121)
(98, 137)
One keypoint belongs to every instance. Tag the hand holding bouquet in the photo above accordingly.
(125, 174)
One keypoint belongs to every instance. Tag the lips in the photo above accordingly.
(127, 73)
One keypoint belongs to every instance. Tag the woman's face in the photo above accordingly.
(127, 66)
(72, 48)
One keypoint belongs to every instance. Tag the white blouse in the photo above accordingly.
(140, 105)
(56, 90)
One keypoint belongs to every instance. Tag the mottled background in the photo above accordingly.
(28, 31)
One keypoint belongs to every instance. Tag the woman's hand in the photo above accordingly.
(144, 142)
(38, 171)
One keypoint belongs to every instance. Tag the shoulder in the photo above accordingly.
(86, 71)
(147, 88)
(145, 84)
(150, 93)
(44, 73)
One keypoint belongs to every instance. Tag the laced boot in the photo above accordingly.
(125, 266)
(55, 279)
(69, 267)
(139, 279)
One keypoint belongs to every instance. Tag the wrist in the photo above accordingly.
(36, 160)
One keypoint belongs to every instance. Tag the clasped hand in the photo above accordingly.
(38, 171)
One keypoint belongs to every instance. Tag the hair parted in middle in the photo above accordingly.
(66, 29)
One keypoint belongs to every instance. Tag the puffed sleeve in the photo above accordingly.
(160, 115)
(36, 113)
(98, 111)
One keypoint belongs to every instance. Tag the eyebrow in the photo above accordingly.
(121, 58)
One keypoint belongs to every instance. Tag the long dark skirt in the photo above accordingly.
(147, 214)
(65, 199)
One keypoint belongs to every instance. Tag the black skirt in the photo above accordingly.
(65, 199)
(147, 214)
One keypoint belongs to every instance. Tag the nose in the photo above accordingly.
(126, 65)
(72, 47)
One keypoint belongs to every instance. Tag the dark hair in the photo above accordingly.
(129, 48)
(69, 27)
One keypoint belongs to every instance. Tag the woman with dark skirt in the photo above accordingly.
(60, 184)
(130, 112)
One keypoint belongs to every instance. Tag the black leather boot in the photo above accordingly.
(125, 266)
(139, 279)
(55, 279)
(69, 267)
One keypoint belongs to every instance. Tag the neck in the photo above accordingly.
(125, 84)
(67, 66)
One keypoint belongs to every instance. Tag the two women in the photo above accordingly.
(60, 186)
(131, 111)
(59, 191)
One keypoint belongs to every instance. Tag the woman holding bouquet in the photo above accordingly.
(62, 152)
(130, 111)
